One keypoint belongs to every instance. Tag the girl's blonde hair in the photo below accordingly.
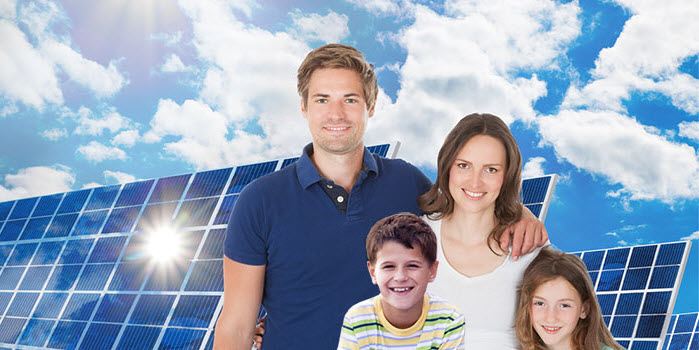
(590, 333)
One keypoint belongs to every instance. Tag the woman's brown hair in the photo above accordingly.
(591, 332)
(438, 202)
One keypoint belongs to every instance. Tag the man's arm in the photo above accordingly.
(525, 235)
(242, 293)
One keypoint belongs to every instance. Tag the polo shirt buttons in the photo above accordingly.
(340, 199)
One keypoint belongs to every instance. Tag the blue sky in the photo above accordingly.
(603, 93)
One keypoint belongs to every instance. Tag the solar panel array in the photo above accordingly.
(75, 271)
(636, 288)
(683, 332)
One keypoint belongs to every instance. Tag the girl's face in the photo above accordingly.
(477, 174)
(555, 310)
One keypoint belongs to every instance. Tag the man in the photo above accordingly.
(296, 237)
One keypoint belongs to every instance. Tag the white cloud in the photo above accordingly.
(103, 81)
(89, 125)
(693, 236)
(8, 9)
(534, 167)
(689, 130)
(645, 58)
(25, 74)
(37, 181)
(330, 28)
(126, 138)
(647, 165)
(118, 177)
(612, 233)
(169, 39)
(54, 134)
(382, 7)
(623, 242)
(97, 152)
(173, 64)
(476, 75)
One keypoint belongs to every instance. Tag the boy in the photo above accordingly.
(401, 251)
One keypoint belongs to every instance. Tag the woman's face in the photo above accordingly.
(477, 174)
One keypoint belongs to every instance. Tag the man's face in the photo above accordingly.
(336, 110)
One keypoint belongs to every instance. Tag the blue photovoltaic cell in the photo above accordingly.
(609, 280)
(12, 229)
(622, 326)
(73, 202)
(114, 307)
(90, 223)
(35, 278)
(194, 311)
(663, 277)
(11, 327)
(606, 303)
(22, 304)
(107, 249)
(47, 205)
(534, 208)
(205, 276)
(50, 305)
(63, 277)
(121, 220)
(139, 338)
(656, 303)
(670, 254)
(169, 189)
(155, 216)
(167, 278)
(685, 323)
(128, 276)
(196, 212)
(179, 338)
(35, 228)
(629, 304)
(94, 276)
(534, 190)
(76, 251)
(644, 345)
(288, 162)
(593, 260)
(5, 298)
(682, 342)
(66, 335)
(208, 183)
(80, 307)
(134, 193)
(5, 208)
(100, 336)
(616, 258)
(650, 326)
(9, 277)
(245, 174)
(213, 246)
(5, 251)
(636, 279)
(102, 197)
(36, 333)
(152, 309)
(61, 225)
(23, 208)
(22, 254)
(380, 150)
(47, 253)
(224, 212)
(642, 256)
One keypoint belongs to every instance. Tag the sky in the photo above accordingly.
(603, 93)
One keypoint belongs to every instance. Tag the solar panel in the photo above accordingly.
(636, 288)
(75, 271)
(683, 332)
(536, 194)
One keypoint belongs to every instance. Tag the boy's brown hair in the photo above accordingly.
(405, 228)
(591, 333)
(342, 57)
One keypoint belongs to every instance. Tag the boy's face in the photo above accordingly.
(556, 310)
(402, 275)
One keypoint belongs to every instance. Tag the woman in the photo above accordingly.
(475, 197)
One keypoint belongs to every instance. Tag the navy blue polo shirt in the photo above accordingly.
(315, 254)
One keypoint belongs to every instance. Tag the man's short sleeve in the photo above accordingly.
(246, 235)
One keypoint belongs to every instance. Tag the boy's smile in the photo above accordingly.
(402, 275)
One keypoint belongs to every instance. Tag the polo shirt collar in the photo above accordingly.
(308, 174)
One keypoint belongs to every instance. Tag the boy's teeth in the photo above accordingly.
(401, 289)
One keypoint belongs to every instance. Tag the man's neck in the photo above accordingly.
(342, 169)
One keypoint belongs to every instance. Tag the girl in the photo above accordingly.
(557, 308)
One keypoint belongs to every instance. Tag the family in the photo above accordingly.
(459, 264)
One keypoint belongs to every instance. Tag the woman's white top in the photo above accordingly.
(488, 301)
